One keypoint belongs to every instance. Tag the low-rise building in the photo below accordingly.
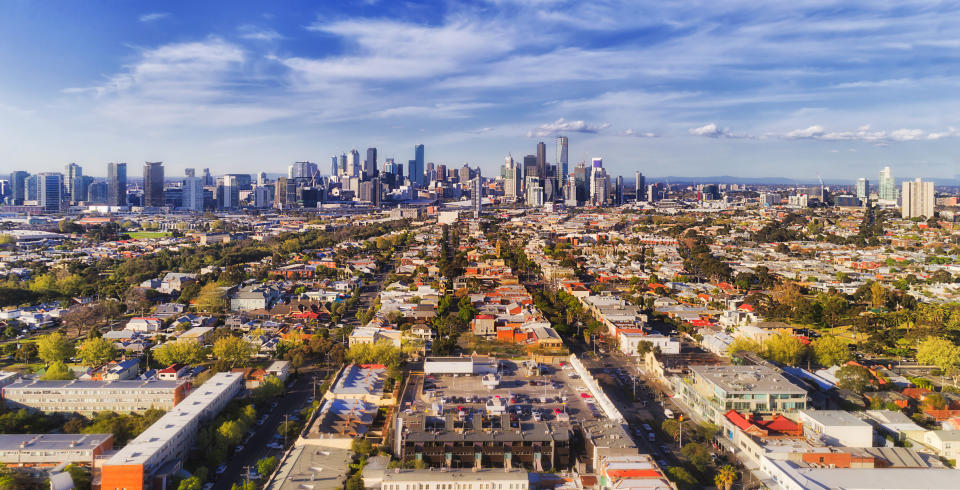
(53, 449)
(460, 479)
(711, 391)
(94, 396)
(470, 365)
(837, 427)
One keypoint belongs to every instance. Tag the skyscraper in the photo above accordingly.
(72, 175)
(418, 158)
(190, 172)
(530, 167)
(639, 186)
(153, 184)
(541, 160)
(562, 165)
(207, 178)
(477, 194)
(192, 198)
(863, 189)
(354, 164)
(116, 184)
(370, 164)
(50, 191)
(918, 199)
(599, 183)
(18, 187)
(511, 179)
(261, 179)
(302, 170)
(887, 190)
(334, 166)
(228, 192)
(619, 191)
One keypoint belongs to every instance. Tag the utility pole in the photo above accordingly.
(286, 427)
(681, 430)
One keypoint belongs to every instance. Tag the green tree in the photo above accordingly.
(934, 401)
(180, 351)
(681, 477)
(939, 352)
(266, 465)
(233, 351)
(725, 477)
(830, 350)
(54, 347)
(362, 447)
(231, 432)
(80, 476)
(744, 344)
(671, 427)
(855, 378)
(192, 483)
(58, 371)
(271, 387)
(697, 454)
(246, 485)
(784, 348)
(26, 352)
(97, 351)
(212, 298)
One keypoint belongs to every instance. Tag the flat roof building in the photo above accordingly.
(52, 449)
(455, 478)
(88, 396)
(475, 365)
(713, 390)
(170, 437)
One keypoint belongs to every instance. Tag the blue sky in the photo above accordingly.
(692, 88)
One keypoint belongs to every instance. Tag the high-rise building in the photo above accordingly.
(18, 187)
(541, 160)
(342, 165)
(477, 194)
(654, 192)
(31, 187)
(370, 164)
(261, 179)
(192, 198)
(71, 175)
(511, 179)
(917, 199)
(618, 200)
(82, 188)
(570, 193)
(285, 193)
(190, 172)
(302, 170)
(863, 189)
(887, 189)
(334, 165)
(263, 196)
(228, 192)
(207, 178)
(430, 173)
(97, 192)
(581, 178)
(153, 184)
(50, 191)
(599, 184)
(442, 172)
(354, 164)
(562, 164)
(416, 167)
(639, 186)
(116, 184)
(534, 191)
(530, 167)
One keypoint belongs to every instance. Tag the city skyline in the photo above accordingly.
(799, 90)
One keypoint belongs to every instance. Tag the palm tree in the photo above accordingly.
(725, 477)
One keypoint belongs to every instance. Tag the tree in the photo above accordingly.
(361, 446)
(382, 352)
(784, 348)
(271, 387)
(266, 465)
(830, 350)
(26, 352)
(878, 295)
(697, 454)
(80, 476)
(231, 432)
(744, 344)
(192, 483)
(854, 378)
(54, 347)
(934, 401)
(58, 371)
(725, 477)
(97, 351)
(939, 352)
(246, 485)
(212, 298)
(671, 427)
(180, 351)
(137, 300)
(682, 477)
(233, 351)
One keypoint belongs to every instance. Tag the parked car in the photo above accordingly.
(221, 469)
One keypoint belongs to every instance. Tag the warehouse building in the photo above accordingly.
(88, 396)
(157, 454)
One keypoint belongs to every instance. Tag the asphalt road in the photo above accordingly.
(256, 448)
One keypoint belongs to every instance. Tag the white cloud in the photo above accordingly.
(154, 16)
(866, 134)
(638, 134)
(563, 126)
(711, 130)
(258, 34)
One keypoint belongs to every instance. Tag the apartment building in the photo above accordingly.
(457, 478)
(711, 391)
(122, 396)
(43, 450)
(165, 443)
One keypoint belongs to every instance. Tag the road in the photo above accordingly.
(255, 448)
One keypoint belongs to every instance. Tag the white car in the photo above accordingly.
(221, 469)
(274, 445)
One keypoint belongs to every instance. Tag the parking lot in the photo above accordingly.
(554, 394)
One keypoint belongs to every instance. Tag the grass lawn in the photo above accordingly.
(148, 234)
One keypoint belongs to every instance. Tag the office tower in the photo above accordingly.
(370, 164)
(353, 163)
(245, 183)
(207, 178)
(342, 165)
(302, 170)
(263, 196)
(97, 192)
(442, 172)
(50, 191)
(365, 193)
(334, 165)
(639, 186)
(262, 178)
(512, 179)
(562, 165)
(82, 188)
(477, 194)
(418, 157)
(32, 186)
(619, 191)
(18, 187)
(466, 173)
(71, 175)
(863, 189)
(581, 180)
(530, 166)
(285, 193)
(599, 183)
(541, 160)
(430, 175)
(228, 192)
(190, 172)
(534, 194)
(654, 193)
(887, 190)
(191, 198)
(116, 184)
(570, 193)
(917, 199)
(153, 184)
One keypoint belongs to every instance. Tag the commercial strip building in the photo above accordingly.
(711, 391)
(158, 452)
(363, 382)
(464, 366)
(454, 479)
(33, 450)
(121, 396)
